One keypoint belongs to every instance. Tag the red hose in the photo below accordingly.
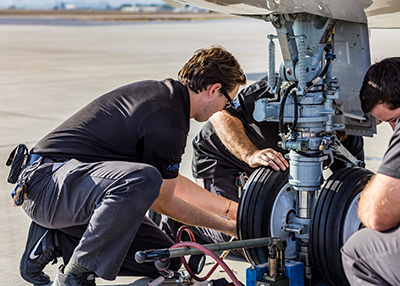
(186, 229)
(217, 259)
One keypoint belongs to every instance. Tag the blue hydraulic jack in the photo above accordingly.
(259, 275)
(278, 271)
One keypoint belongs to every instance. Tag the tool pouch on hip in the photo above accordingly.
(16, 160)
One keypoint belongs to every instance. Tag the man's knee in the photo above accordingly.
(368, 257)
(147, 180)
(141, 178)
(151, 176)
(350, 257)
(354, 243)
(362, 244)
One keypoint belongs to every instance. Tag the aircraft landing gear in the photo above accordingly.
(268, 202)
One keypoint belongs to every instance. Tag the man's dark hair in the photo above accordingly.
(209, 66)
(381, 85)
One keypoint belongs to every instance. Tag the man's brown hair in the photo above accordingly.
(381, 84)
(209, 66)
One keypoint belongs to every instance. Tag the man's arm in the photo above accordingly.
(379, 206)
(193, 205)
(231, 132)
(193, 193)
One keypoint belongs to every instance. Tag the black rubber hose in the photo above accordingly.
(325, 70)
(296, 113)
(282, 108)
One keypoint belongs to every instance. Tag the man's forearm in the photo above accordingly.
(190, 214)
(378, 206)
(191, 192)
(184, 211)
(231, 132)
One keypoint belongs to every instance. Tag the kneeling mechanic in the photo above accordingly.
(90, 182)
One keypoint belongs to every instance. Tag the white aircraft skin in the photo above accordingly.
(377, 13)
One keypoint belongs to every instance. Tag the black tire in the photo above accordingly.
(260, 196)
(333, 221)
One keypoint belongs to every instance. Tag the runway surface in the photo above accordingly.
(49, 70)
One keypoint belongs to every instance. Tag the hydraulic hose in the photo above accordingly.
(282, 108)
(218, 260)
(192, 238)
(296, 113)
(329, 58)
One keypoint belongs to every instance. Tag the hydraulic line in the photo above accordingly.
(192, 238)
(296, 113)
(329, 58)
(282, 109)
(213, 255)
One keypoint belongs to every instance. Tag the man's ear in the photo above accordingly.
(213, 88)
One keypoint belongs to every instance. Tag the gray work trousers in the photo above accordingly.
(110, 200)
(372, 258)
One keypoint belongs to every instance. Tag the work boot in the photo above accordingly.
(69, 279)
(40, 249)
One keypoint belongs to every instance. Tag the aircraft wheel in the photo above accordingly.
(334, 220)
(264, 207)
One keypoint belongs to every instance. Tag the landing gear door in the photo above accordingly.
(351, 47)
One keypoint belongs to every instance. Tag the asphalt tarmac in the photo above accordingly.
(49, 70)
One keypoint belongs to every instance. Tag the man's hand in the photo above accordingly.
(267, 157)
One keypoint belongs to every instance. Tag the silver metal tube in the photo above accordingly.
(153, 255)
(306, 201)
(302, 67)
(271, 62)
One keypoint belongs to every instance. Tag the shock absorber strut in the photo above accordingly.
(271, 62)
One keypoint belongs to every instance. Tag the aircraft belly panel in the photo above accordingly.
(380, 13)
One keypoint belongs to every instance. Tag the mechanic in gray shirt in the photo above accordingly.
(372, 255)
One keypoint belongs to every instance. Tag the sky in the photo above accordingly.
(49, 4)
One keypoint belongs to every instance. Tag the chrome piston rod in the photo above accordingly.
(158, 254)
